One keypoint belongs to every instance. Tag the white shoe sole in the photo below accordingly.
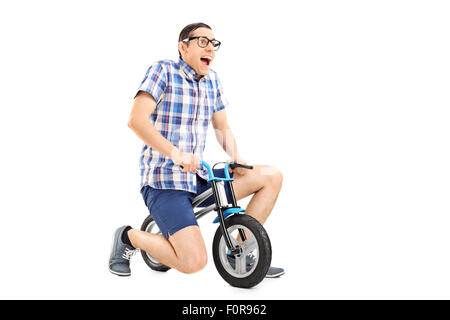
(275, 275)
(119, 273)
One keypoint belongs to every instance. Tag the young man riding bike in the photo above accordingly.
(171, 112)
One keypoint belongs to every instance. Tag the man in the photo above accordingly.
(171, 113)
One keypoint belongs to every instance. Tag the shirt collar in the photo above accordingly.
(190, 73)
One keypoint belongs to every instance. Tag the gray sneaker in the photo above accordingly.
(119, 261)
(273, 272)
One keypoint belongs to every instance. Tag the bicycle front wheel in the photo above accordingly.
(249, 268)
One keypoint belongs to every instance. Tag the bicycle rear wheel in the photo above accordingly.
(149, 225)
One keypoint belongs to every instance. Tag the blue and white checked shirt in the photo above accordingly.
(183, 112)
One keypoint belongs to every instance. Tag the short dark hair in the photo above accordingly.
(189, 30)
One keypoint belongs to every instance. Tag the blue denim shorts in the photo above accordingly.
(172, 209)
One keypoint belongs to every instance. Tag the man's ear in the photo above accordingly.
(182, 48)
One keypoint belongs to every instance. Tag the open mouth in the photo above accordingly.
(206, 60)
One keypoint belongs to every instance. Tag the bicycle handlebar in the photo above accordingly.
(232, 165)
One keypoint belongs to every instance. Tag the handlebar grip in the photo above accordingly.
(234, 165)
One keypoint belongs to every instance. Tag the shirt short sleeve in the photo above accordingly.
(155, 81)
(221, 101)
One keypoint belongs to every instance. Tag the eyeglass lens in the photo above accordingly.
(203, 43)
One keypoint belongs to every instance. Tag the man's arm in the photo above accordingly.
(139, 122)
(224, 135)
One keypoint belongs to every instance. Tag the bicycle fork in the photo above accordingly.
(222, 204)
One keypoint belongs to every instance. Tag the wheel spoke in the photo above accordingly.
(241, 264)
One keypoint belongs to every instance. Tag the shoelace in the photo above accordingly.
(127, 253)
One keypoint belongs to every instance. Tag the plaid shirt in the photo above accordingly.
(183, 112)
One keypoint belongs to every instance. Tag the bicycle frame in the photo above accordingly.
(223, 209)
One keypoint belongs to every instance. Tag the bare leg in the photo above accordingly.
(185, 250)
(264, 182)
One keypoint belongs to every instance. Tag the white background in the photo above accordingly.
(349, 99)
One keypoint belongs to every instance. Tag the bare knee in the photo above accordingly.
(189, 249)
(278, 179)
(274, 177)
(193, 263)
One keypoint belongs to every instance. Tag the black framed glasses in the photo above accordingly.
(203, 42)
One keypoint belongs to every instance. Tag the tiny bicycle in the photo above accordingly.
(241, 247)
